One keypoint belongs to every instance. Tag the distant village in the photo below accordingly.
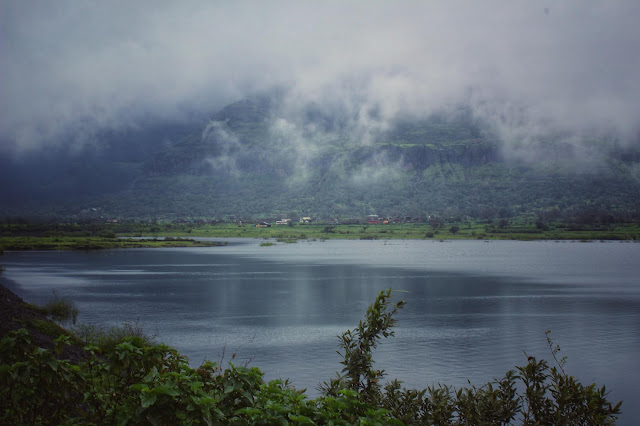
(266, 223)
(96, 215)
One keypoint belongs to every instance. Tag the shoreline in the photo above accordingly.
(36, 244)
(140, 235)
(31, 243)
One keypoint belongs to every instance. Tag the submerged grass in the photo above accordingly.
(59, 309)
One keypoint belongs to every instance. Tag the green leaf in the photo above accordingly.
(165, 390)
(148, 399)
(151, 376)
(249, 411)
(139, 387)
(304, 420)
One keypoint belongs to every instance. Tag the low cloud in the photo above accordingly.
(529, 69)
(376, 171)
(224, 144)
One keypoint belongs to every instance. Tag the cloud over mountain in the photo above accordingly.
(69, 68)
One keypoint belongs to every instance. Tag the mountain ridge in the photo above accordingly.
(254, 158)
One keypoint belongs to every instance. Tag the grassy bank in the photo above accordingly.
(109, 236)
(94, 243)
(466, 230)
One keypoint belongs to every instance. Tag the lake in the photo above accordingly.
(473, 307)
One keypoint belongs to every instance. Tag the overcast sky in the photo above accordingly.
(524, 64)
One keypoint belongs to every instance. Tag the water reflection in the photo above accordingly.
(472, 308)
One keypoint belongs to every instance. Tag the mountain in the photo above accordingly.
(260, 157)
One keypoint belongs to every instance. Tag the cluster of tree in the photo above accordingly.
(134, 382)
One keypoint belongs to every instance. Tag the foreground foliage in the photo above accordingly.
(135, 382)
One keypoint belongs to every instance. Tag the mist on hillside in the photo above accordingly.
(117, 85)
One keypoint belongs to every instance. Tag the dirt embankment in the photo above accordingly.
(15, 313)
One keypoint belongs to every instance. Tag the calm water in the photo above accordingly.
(472, 308)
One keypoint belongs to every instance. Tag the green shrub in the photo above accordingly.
(550, 396)
(107, 338)
(134, 381)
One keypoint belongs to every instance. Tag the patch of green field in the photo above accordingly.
(93, 243)
(72, 237)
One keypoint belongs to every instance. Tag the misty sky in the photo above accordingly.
(525, 65)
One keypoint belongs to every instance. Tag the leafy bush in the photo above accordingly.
(135, 382)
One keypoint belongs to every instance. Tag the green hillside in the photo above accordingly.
(255, 159)
(239, 166)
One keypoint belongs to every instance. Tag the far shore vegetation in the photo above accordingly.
(84, 237)
(96, 235)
